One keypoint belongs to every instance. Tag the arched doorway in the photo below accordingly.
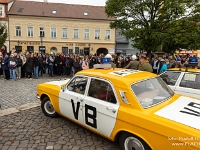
(102, 50)
(54, 50)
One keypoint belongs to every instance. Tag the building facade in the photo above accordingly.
(4, 8)
(124, 45)
(52, 27)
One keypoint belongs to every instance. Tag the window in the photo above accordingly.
(64, 32)
(190, 80)
(76, 50)
(97, 34)
(107, 34)
(151, 92)
(101, 90)
(53, 32)
(30, 31)
(42, 32)
(87, 34)
(1, 11)
(18, 31)
(170, 77)
(78, 85)
(65, 50)
(76, 33)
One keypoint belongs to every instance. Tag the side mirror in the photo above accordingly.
(63, 88)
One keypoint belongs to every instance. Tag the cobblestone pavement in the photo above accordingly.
(22, 91)
(31, 130)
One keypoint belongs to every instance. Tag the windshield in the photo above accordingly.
(151, 92)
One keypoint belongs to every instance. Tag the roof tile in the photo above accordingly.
(44, 9)
(5, 1)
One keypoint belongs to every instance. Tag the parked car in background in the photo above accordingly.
(182, 81)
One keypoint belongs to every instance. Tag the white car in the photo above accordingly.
(182, 81)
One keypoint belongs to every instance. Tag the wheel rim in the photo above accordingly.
(132, 143)
(49, 108)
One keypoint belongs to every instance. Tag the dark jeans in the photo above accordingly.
(7, 74)
(1, 71)
(58, 69)
(23, 72)
(40, 70)
(68, 71)
(28, 75)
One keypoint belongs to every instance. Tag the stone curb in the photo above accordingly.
(18, 109)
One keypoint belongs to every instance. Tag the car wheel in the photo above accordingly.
(128, 141)
(47, 108)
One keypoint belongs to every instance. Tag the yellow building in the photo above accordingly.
(56, 27)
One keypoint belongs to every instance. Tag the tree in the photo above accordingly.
(3, 34)
(184, 33)
(146, 21)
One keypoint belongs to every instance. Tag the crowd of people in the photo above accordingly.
(32, 65)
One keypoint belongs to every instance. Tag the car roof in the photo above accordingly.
(184, 70)
(128, 79)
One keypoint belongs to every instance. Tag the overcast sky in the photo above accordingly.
(84, 2)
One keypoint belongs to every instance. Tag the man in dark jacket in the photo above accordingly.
(134, 64)
(5, 67)
(144, 64)
(58, 64)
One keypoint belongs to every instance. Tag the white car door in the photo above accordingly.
(71, 101)
(100, 106)
(189, 85)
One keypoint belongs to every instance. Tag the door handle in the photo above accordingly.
(111, 109)
(79, 99)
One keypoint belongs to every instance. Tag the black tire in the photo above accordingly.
(47, 108)
(138, 142)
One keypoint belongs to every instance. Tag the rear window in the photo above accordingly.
(151, 92)
(190, 80)
(170, 77)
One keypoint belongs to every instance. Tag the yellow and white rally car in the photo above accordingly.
(134, 108)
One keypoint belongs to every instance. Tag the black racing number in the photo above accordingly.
(92, 116)
(190, 111)
(88, 115)
(77, 109)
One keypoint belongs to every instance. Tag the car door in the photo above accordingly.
(100, 106)
(171, 78)
(189, 85)
(71, 99)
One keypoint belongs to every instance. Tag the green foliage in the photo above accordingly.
(152, 23)
(3, 34)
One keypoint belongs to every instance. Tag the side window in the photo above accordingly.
(190, 80)
(78, 85)
(101, 90)
(170, 77)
